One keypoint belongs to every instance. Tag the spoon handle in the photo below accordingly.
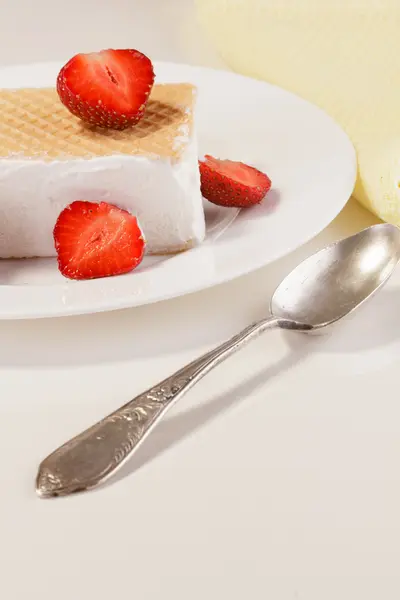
(92, 456)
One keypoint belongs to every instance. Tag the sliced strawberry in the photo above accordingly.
(108, 88)
(232, 183)
(97, 240)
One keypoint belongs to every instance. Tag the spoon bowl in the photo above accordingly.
(332, 283)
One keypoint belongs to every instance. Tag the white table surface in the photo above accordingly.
(278, 477)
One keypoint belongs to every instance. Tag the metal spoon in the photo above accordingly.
(320, 291)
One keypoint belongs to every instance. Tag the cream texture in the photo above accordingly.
(164, 196)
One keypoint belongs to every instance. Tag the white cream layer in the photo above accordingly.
(164, 196)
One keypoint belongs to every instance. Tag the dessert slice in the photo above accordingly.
(49, 158)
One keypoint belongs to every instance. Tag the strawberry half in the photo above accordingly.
(108, 88)
(232, 183)
(97, 240)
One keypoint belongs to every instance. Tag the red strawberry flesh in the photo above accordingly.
(108, 88)
(97, 240)
(230, 168)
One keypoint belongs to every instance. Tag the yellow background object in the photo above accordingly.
(344, 56)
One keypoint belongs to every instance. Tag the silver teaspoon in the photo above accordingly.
(320, 291)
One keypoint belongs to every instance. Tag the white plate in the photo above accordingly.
(309, 158)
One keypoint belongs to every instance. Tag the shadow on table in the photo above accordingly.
(376, 324)
(113, 337)
(177, 428)
(127, 335)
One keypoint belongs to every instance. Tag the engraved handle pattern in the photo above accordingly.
(91, 457)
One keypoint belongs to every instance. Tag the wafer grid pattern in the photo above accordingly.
(35, 124)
